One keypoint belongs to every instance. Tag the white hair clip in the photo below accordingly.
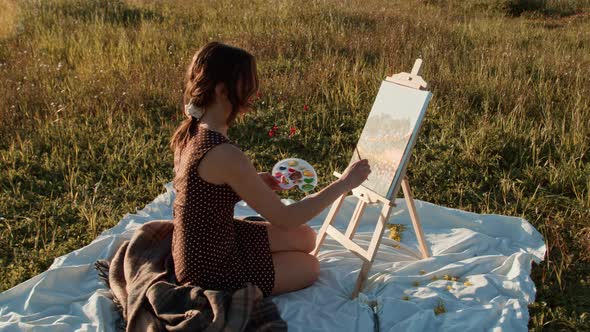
(191, 110)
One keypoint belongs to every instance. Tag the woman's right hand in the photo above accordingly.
(355, 174)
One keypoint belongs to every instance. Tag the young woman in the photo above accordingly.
(210, 248)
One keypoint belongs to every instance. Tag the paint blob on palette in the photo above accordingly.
(293, 172)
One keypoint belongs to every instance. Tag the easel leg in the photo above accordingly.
(360, 280)
(328, 221)
(414, 217)
(372, 251)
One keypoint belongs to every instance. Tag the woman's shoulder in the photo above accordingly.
(210, 143)
(225, 152)
(221, 162)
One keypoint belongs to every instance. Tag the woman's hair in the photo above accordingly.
(212, 64)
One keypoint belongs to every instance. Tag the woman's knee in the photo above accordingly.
(308, 238)
(314, 268)
(294, 271)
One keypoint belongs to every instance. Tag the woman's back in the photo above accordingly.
(209, 248)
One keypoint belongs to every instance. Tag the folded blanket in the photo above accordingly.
(142, 282)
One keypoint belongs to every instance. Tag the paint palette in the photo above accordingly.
(293, 172)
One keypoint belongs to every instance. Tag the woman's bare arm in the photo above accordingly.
(227, 164)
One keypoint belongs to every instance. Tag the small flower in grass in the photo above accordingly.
(292, 131)
(306, 107)
(273, 131)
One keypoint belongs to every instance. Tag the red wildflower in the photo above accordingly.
(292, 131)
(305, 107)
(272, 131)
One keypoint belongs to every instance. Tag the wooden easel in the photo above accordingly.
(366, 196)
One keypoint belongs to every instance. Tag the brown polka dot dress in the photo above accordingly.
(210, 248)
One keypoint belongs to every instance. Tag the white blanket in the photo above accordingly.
(492, 253)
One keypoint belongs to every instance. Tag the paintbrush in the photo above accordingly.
(357, 153)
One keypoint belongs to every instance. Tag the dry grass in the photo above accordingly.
(9, 14)
(90, 93)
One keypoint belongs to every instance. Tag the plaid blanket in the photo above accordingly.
(142, 283)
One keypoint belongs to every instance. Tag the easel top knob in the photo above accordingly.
(412, 79)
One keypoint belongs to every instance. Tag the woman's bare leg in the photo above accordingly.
(294, 270)
(294, 267)
(300, 239)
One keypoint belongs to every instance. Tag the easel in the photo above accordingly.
(366, 196)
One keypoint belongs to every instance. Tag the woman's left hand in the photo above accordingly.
(270, 181)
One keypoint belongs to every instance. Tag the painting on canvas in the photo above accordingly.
(389, 135)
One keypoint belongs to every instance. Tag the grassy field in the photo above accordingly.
(90, 92)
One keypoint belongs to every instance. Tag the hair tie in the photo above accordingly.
(192, 110)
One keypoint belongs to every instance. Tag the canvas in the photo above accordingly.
(389, 135)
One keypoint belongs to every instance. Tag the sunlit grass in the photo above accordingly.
(90, 92)
(9, 14)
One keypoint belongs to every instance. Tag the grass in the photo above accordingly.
(90, 92)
